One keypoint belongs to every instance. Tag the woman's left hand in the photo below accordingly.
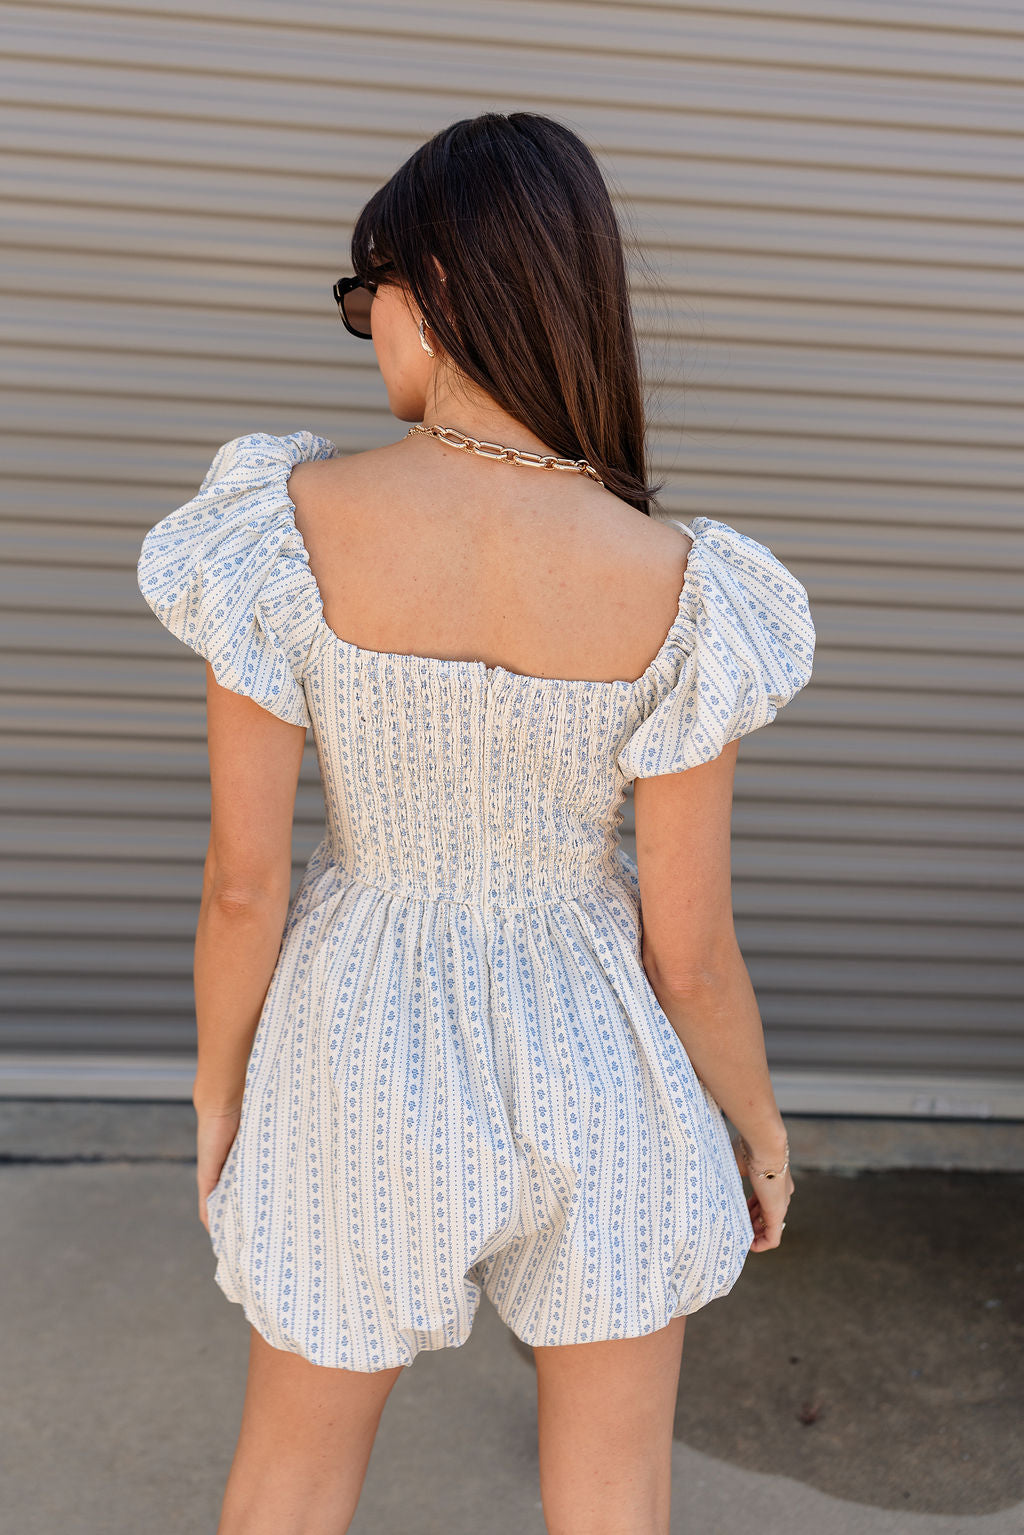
(215, 1136)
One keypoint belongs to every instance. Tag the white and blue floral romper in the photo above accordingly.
(461, 1079)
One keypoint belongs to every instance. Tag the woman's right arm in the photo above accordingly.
(693, 961)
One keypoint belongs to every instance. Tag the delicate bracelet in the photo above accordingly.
(763, 1173)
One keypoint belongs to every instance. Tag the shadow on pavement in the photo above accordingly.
(877, 1353)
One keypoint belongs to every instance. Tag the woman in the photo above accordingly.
(458, 1061)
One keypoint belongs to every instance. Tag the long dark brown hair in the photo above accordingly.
(535, 305)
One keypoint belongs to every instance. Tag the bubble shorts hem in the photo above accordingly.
(525, 1334)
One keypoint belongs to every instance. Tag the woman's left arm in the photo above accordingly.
(255, 760)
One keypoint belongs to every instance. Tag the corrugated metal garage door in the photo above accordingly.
(834, 207)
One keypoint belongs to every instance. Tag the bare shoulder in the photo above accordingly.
(657, 539)
(317, 488)
(321, 474)
(582, 515)
(666, 536)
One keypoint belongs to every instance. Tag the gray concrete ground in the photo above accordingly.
(865, 1379)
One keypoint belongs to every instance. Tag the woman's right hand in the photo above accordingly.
(768, 1202)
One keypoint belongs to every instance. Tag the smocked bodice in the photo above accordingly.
(459, 782)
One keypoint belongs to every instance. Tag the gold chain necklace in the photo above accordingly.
(457, 439)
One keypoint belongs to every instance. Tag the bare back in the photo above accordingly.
(419, 550)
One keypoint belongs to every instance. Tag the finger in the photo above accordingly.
(767, 1232)
(771, 1234)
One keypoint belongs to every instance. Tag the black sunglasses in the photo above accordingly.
(354, 297)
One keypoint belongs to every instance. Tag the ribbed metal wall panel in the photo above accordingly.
(832, 198)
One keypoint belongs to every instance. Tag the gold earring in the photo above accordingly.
(424, 343)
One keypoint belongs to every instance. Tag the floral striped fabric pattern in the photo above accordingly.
(462, 1081)
(743, 647)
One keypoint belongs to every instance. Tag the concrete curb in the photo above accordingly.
(87, 1129)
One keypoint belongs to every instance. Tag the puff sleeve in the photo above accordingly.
(744, 648)
(228, 573)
